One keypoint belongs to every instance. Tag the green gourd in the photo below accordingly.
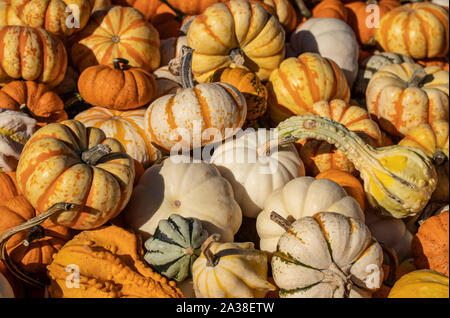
(175, 246)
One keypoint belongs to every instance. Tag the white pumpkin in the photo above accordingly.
(302, 197)
(6, 290)
(231, 270)
(391, 232)
(253, 174)
(331, 38)
(126, 127)
(15, 130)
(190, 189)
(328, 255)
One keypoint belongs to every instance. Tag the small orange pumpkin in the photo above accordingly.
(330, 9)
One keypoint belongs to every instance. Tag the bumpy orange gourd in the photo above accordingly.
(430, 245)
(34, 98)
(300, 82)
(116, 32)
(361, 16)
(31, 54)
(117, 86)
(351, 184)
(110, 261)
(419, 30)
(320, 156)
(249, 85)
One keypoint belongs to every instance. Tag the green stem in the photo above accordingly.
(187, 79)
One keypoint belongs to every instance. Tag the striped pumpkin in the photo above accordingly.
(125, 126)
(237, 32)
(300, 82)
(117, 32)
(403, 96)
(31, 54)
(418, 30)
(319, 156)
(15, 130)
(175, 246)
(60, 163)
(56, 16)
(7, 14)
(195, 115)
(285, 12)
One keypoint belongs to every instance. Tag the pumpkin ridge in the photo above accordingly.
(292, 92)
(222, 287)
(424, 28)
(236, 100)
(292, 291)
(204, 108)
(289, 259)
(310, 76)
(442, 20)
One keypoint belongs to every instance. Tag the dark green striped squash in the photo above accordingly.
(175, 246)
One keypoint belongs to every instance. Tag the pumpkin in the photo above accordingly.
(68, 162)
(402, 31)
(31, 54)
(332, 39)
(348, 182)
(254, 172)
(31, 251)
(15, 130)
(100, 5)
(110, 265)
(371, 65)
(116, 32)
(8, 186)
(69, 83)
(33, 98)
(421, 284)
(442, 62)
(391, 232)
(302, 197)
(320, 156)
(195, 115)
(190, 189)
(166, 82)
(300, 82)
(398, 181)
(285, 13)
(362, 16)
(327, 255)
(430, 244)
(60, 17)
(7, 14)
(237, 32)
(192, 7)
(434, 141)
(230, 270)
(117, 86)
(403, 96)
(124, 126)
(6, 290)
(175, 246)
(330, 9)
(249, 85)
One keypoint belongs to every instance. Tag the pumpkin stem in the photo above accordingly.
(32, 224)
(265, 149)
(120, 63)
(210, 258)
(73, 100)
(281, 221)
(439, 158)
(417, 77)
(187, 79)
(35, 233)
(393, 265)
(179, 15)
(237, 56)
(303, 8)
(95, 154)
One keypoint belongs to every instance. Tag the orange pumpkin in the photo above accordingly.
(284, 11)
(31, 54)
(249, 85)
(418, 30)
(8, 186)
(441, 62)
(117, 86)
(117, 32)
(430, 245)
(36, 99)
(330, 9)
(192, 7)
(351, 184)
(320, 156)
(55, 16)
(360, 12)
(300, 82)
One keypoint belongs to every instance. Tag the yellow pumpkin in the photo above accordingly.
(300, 82)
(421, 284)
(239, 32)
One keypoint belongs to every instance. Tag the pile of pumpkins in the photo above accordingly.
(322, 129)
